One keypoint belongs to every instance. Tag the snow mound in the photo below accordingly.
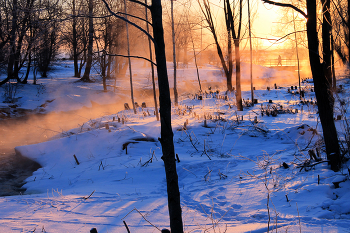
(301, 134)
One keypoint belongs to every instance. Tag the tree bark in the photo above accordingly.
(166, 140)
(238, 77)
(322, 90)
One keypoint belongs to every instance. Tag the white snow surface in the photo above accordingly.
(230, 171)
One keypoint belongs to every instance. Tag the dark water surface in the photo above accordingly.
(32, 128)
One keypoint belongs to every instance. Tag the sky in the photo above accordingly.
(266, 19)
(264, 23)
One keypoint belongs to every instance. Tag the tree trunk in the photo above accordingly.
(251, 56)
(238, 77)
(230, 22)
(22, 31)
(174, 52)
(195, 61)
(110, 58)
(75, 44)
(347, 39)
(86, 76)
(326, 40)
(166, 140)
(229, 47)
(104, 73)
(334, 82)
(10, 67)
(208, 17)
(11, 59)
(129, 59)
(25, 80)
(152, 67)
(322, 90)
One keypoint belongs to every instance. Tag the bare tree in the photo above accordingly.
(76, 35)
(226, 65)
(48, 32)
(152, 66)
(322, 85)
(233, 21)
(341, 29)
(179, 36)
(166, 139)
(234, 28)
(75, 41)
(167, 142)
(17, 37)
(86, 76)
(28, 33)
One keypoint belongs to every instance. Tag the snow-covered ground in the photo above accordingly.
(231, 172)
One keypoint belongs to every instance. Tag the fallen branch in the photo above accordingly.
(85, 198)
(307, 164)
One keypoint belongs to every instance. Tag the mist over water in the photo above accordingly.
(36, 128)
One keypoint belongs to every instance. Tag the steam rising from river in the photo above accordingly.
(35, 128)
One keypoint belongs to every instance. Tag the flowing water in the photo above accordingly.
(32, 128)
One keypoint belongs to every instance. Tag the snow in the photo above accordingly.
(230, 171)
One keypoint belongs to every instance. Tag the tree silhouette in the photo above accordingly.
(166, 139)
(323, 86)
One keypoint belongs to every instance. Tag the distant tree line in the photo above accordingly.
(29, 31)
(34, 32)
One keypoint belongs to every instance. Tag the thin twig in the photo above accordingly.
(120, 55)
(142, 217)
(298, 215)
(189, 171)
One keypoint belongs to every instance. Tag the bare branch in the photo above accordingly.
(289, 35)
(339, 13)
(120, 55)
(286, 5)
(87, 16)
(107, 16)
(141, 3)
(129, 22)
(133, 16)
